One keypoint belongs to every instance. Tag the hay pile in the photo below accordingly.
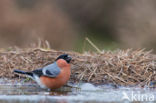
(121, 67)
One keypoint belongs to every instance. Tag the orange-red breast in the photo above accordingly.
(52, 76)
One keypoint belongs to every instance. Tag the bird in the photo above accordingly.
(52, 76)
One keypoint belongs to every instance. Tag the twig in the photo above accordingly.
(48, 45)
(92, 44)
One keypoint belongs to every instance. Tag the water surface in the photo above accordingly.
(85, 93)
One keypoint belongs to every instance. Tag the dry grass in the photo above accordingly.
(121, 67)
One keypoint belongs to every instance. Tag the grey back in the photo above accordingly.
(51, 70)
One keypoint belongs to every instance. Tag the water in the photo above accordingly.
(85, 93)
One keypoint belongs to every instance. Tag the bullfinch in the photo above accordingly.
(52, 76)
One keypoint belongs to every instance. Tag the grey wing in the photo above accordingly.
(51, 70)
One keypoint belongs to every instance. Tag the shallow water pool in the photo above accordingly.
(83, 93)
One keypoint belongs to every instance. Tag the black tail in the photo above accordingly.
(23, 72)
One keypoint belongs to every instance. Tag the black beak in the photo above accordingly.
(68, 59)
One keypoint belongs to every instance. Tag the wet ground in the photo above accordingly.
(29, 92)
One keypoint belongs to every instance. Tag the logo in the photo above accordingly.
(137, 96)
